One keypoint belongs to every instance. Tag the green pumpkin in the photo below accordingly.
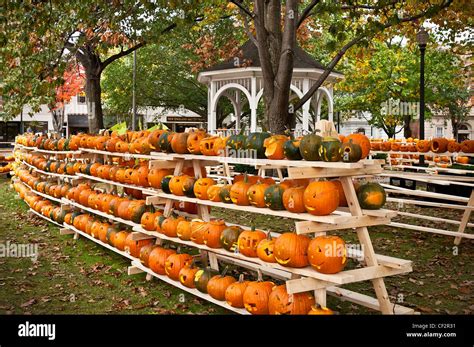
(351, 152)
(202, 277)
(255, 142)
(60, 217)
(229, 237)
(236, 142)
(74, 215)
(137, 214)
(330, 149)
(88, 169)
(41, 145)
(274, 197)
(54, 145)
(188, 189)
(309, 147)
(161, 219)
(371, 196)
(66, 144)
(291, 148)
(111, 231)
(48, 165)
(164, 141)
(165, 184)
(224, 194)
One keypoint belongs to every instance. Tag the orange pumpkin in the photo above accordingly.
(238, 193)
(293, 199)
(282, 303)
(201, 187)
(175, 262)
(291, 250)
(266, 248)
(318, 310)
(194, 140)
(274, 147)
(133, 246)
(170, 224)
(157, 259)
(327, 254)
(361, 140)
(206, 146)
(467, 146)
(248, 242)
(148, 220)
(217, 286)
(234, 294)
(256, 194)
(155, 176)
(186, 276)
(212, 235)
(340, 190)
(198, 230)
(321, 198)
(256, 297)
(179, 143)
(213, 192)
(423, 146)
(439, 145)
(183, 230)
(454, 146)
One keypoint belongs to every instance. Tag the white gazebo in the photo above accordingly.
(245, 84)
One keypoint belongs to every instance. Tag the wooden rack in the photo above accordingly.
(375, 266)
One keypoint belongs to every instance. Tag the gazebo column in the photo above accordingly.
(306, 106)
(237, 109)
(211, 112)
(331, 102)
(253, 103)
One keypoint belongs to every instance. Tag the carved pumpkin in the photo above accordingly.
(274, 147)
(164, 141)
(351, 152)
(454, 146)
(255, 142)
(201, 186)
(175, 262)
(198, 230)
(122, 147)
(256, 194)
(155, 177)
(213, 233)
(186, 276)
(309, 147)
(194, 140)
(467, 146)
(439, 145)
(274, 197)
(236, 142)
(291, 250)
(238, 193)
(224, 193)
(217, 286)
(176, 184)
(248, 241)
(140, 176)
(153, 139)
(133, 246)
(265, 249)
(120, 238)
(157, 259)
(145, 253)
(371, 196)
(327, 254)
(206, 146)
(293, 199)
(280, 302)
(330, 149)
(321, 198)
(423, 146)
(229, 237)
(148, 220)
(361, 140)
(158, 223)
(256, 297)
(179, 143)
(170, 224)
(202, 278)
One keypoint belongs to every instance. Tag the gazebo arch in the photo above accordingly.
(247, 79)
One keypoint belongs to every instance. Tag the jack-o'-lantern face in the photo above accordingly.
(291, 250)
(186, 276)
(280, 302)
(229, 237)
(248, 241)
(327, 254)
(206, 146)
(265, 250)
(256, 297)
(201, 186)
(128, 176)
(175, 262)
(193, 141)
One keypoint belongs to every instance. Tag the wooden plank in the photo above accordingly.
(431, 218)
(431, 230)
(137, 236)
(465, 219)
(365, 300)
(428, 176)
(133, 270)
(315, 172)
(307, 227)
(380, 213)
(155, 200)
(192, 291)
(424, 194)
(65, 231)
(429, 203)
(144, 190)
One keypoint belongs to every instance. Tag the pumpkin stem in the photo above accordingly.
(269, 235)
(241, 278)
(224, 272)
(259, 275)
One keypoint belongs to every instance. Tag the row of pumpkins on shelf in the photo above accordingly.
(438, 159)
(318, 198)
(288, 249)
(7, 158)
(6, 168)
(312, 147)
(257, 297)
(436, 145)
(260, 297)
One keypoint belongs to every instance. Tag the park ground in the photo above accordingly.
(81, 277)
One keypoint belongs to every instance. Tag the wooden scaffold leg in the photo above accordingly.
(465, 219)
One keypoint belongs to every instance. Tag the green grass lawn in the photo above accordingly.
(72, 277)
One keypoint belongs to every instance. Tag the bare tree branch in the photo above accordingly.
(238, 3)
(306, 12)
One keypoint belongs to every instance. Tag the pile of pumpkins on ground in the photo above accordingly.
(437, 145)
(312, 147)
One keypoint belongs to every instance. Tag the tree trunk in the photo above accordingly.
(94, 103)
(58, 119)
(455, 125)
(406, 126)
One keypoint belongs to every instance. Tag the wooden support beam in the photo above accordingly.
(465, 219)
(133, 270)
(307, 227)
(316, 172)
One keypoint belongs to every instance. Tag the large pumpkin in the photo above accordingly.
(439, 145)
(179, 143)
(351, 152)
(371, 196)
(183, 230)
(201, 187)
(274, 197)
(256, 297)
(256, 194)
(238, 193)
(248, 242)
(330, 149)
(202, 278)
(194, 140)
(164, 141)
(255, 143)
(280, 302)
(361, 140)
(229, 237)
(157, 259)
(198, 230)
(234, 294)
(213, 233)
(293, 199)
(309, 147)
(423, 146)
(266, 249)
(291, 250)
(170, 225)
(217, 286)
(186, 276)
(274, 147)
(133, 246)
(321, 198)
(327, 254)
(467, 146)
(342, 195)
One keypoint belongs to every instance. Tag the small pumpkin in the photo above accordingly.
(213, 192)
(371, 196)
(423, 146)
(170, 225)
(198, 230)
(351, 152)
(234, 294)
(291, 250)
(224, 194)
(206, 146)
(165, 184)
(155, 177)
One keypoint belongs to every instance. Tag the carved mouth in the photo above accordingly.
(251, 307)
(281, 261)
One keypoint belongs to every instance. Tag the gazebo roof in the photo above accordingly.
(302, 60)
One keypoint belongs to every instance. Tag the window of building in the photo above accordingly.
(81, 99)
(463, 132)
(439, 131)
